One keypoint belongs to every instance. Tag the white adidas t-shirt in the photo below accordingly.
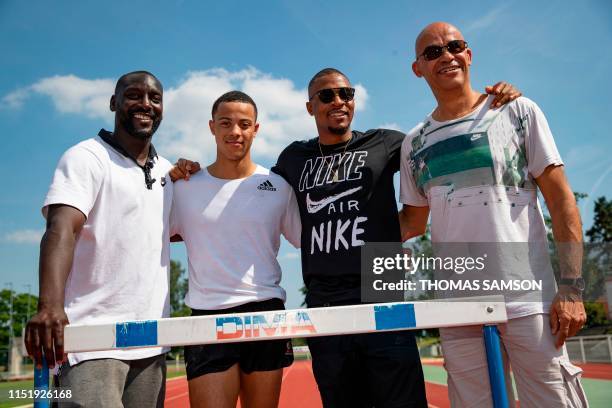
(476, 174)
(121, 258)
(232, 232)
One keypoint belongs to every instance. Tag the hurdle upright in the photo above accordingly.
(283, 324)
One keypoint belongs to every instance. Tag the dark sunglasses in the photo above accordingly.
(327, 95)
(433, 52)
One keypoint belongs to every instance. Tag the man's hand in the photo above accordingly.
(183, 169)
(45, 333)
(567, 315)
(504, 93)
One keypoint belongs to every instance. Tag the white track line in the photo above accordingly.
(177, 396)
(285, 374)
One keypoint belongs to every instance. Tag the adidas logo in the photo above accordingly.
(266, 185)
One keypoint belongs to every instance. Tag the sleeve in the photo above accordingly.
(76, 181)
(280, 166)
(291, 227)
(393, 142)
(539, 142)
(410, 194)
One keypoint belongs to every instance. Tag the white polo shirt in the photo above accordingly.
(232, 229)
(121, 258)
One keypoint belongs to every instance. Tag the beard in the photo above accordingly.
(338, 130)
(142, 134)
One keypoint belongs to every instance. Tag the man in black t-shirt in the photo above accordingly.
(343, 182)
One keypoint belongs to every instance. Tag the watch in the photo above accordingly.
(577, 283)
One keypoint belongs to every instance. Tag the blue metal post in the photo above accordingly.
(496, 367)
(41, 382)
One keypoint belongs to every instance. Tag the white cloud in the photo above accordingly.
(71, 94)
(16, 98)
(586, 157)
(391, 125)
(487, 20)
(282, 115)
(184, 131)
(26, 236)
(291, 255)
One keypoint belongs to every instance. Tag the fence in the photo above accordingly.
(590, 349)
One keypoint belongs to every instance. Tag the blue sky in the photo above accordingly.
(60, 60)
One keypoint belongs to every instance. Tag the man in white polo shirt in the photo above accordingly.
(105, 253)
(231, 216)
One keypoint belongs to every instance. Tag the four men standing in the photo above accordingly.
(343, 181)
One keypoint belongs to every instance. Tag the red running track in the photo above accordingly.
(299, 390)
(600, 371)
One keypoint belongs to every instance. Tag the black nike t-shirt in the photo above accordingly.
(346, 198)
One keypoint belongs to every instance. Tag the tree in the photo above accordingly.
(178, 290)
(601, 231)
(595, 259)
(24, 305)
(304, 291)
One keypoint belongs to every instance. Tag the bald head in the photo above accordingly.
(135, 76)
(433, 33)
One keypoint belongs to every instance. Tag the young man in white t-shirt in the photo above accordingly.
(477, 168)
(105, 253)
(231, 216)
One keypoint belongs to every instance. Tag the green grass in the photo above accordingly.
(173, 371)
(5, 402)
(599, 392)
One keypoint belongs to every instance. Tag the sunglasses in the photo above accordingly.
(327, 95)
(433, 52)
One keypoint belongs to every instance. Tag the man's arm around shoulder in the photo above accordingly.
(413, 221)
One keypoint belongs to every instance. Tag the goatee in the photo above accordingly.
(142, 134)
(337, 131)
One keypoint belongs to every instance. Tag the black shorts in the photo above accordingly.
(265, 355)
(368, 370)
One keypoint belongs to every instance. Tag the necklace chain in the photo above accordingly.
(334, 172)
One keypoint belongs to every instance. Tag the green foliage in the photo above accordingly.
(178, 289)
(24, 306)
(595, 259)
(422, 246)
(601, 231)
(596, 314)
(298, 342)
(304, 291)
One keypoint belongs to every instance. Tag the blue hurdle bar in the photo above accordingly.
(41, 382)
(496, 367)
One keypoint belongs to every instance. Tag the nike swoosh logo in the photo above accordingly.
(315, 206)
(476, 136)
